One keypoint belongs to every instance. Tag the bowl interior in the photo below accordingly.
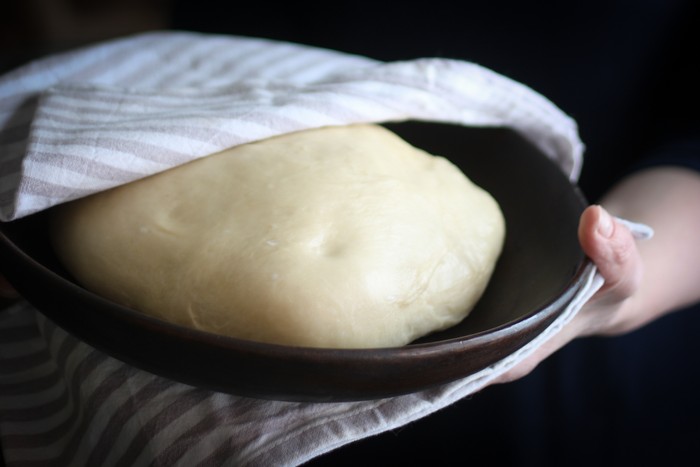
(541, 253)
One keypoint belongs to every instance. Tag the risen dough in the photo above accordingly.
(336, 237)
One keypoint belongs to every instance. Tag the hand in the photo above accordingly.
(645, 280)
(611, 246)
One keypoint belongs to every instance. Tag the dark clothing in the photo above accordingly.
(626, 71)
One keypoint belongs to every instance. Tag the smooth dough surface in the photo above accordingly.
(343, 237)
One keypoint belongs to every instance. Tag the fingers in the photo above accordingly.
(611, 246)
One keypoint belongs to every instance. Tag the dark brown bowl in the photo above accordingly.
(541, 269)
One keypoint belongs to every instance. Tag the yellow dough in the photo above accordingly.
(343, 237)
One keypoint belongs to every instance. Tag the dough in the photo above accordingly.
(343, 237)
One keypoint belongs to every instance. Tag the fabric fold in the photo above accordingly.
(85, 136)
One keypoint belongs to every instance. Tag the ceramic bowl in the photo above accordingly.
(540, 270)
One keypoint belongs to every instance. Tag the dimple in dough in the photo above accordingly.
(340, 237)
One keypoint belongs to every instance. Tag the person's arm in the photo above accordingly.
(668, 199)
(644, 280)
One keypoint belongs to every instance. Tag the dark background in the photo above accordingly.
(594, 59)
(33, 28)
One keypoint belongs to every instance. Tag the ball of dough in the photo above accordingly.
(342, 237)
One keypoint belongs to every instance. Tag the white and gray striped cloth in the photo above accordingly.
(88, 120)
(84, 121)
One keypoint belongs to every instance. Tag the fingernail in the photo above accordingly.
(605, 224)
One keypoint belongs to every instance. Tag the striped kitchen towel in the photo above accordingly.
(64, 403)
(88, 120)
(84, 121)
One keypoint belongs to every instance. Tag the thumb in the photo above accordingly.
(611, 246)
